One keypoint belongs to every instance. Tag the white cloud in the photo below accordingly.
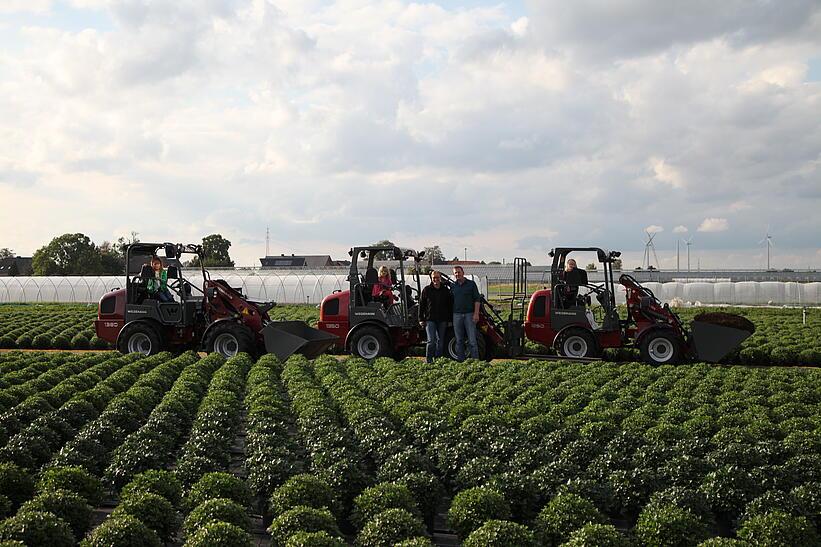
(654, 229)
(680, 229)
(713, 225)
(25, 6)
(345, 122)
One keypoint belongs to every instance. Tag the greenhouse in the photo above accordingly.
(283, 288)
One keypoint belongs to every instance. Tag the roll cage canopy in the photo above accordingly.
(397, 253)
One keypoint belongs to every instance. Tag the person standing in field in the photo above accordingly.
(466, 302)
(435, 310)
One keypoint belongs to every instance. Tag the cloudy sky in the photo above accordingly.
(503, 127)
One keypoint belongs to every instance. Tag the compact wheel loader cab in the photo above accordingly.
(365, 325)
(213, 317)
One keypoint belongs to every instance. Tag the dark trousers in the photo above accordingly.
(436, 339)
(164, 296)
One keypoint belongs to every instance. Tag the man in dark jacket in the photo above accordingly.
(435, 309)
(574, 278)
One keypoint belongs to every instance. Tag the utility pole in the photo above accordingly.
(466, 254)
(678, 266)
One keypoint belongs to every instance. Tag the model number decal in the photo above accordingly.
(332, 325)
(110, 325)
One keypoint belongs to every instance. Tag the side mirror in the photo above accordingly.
(170, 251)
(173, 272)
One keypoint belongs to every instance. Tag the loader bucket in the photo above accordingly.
(284, 338)
(717, 334)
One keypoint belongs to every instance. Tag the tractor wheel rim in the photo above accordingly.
(660, 349)
(575, 346)
(452, 344)
(139, 343)
(368, 346)
(226, 345)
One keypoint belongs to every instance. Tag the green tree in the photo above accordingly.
(591, 267)
(384, 255)
(112, 262)
(434, 255)
(617, 264)
(68, 254)
(5, 252)
(214, 253)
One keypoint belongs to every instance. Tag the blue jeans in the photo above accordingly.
(164, 296)
(436, 339)
(465, 328)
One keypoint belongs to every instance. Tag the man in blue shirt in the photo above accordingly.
(466, 302)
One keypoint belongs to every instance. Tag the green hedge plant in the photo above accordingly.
(69, 506)
(565, 514)
(379, 498)
(304, 489)
(302, 519)
(217, 509)
(389, 528)
(500, 533)
(151, 509)
(473, 507)
(37, 529)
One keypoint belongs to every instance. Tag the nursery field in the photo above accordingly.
(781, 337)
(112, 450)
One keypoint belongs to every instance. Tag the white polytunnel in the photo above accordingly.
(311, 288)
(283, 288)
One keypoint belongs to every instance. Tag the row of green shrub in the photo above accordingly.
(613, 434)
(218, 416)
(154, 444)
(59, 513)
(42, 375)
(124, 414)
(270, 452)
(42, 424)
(48, 326)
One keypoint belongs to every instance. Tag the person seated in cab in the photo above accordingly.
(157, 286)
(382, 290)
(573, 278)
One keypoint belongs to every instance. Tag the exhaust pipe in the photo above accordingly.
(284, 338)
(714, 335)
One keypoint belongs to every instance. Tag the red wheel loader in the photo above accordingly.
(213, 318)
(558, 317)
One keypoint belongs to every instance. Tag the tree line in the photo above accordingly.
(77, 254)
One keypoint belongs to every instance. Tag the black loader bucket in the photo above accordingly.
(717, 334)
(284, 338)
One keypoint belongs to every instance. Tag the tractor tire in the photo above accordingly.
(139, 337)
(230, 339)
(661, 347)
(450, 346)
(577, 343)
(371, 343)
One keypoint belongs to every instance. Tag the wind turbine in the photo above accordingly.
(769, 239)
(650, 246)
(688, 242)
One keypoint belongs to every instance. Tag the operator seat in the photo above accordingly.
(140, 283)
(366, 287)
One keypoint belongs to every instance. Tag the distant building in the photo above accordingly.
(12, 267)
(301, 261)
